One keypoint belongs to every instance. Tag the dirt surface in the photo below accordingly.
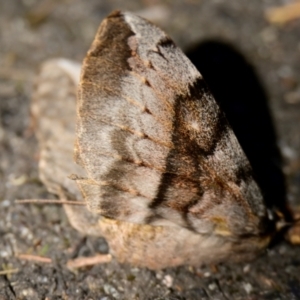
(253, 68)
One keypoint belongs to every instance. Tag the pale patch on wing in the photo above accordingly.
(154, 46)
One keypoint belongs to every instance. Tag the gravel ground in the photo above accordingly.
(252, 66)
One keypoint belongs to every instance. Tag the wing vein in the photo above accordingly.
(131, 131)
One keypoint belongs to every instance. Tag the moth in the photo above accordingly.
(162, 174)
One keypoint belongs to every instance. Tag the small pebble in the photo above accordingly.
(246, 268)
(207, 274)
(111, 290)
(212, 286)
(5, 203)
(247, 287)
(168, 281)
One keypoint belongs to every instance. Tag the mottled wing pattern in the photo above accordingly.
(154, 143)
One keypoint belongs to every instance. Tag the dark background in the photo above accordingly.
(252, 67)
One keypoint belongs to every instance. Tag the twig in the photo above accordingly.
(50, 201)
(88, 261)
(9, 271)
(36, 258)
(284, 14)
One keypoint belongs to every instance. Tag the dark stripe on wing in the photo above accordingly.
(166, 43)
(163, 43)
(188, 150)
(244, 173)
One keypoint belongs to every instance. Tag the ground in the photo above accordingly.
(251, 64)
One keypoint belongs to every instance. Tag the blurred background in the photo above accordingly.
(248, 52)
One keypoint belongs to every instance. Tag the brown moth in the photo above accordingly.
(162, 173)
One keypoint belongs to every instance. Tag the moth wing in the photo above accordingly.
(154, 143)
(53, 110)
(54, 115)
